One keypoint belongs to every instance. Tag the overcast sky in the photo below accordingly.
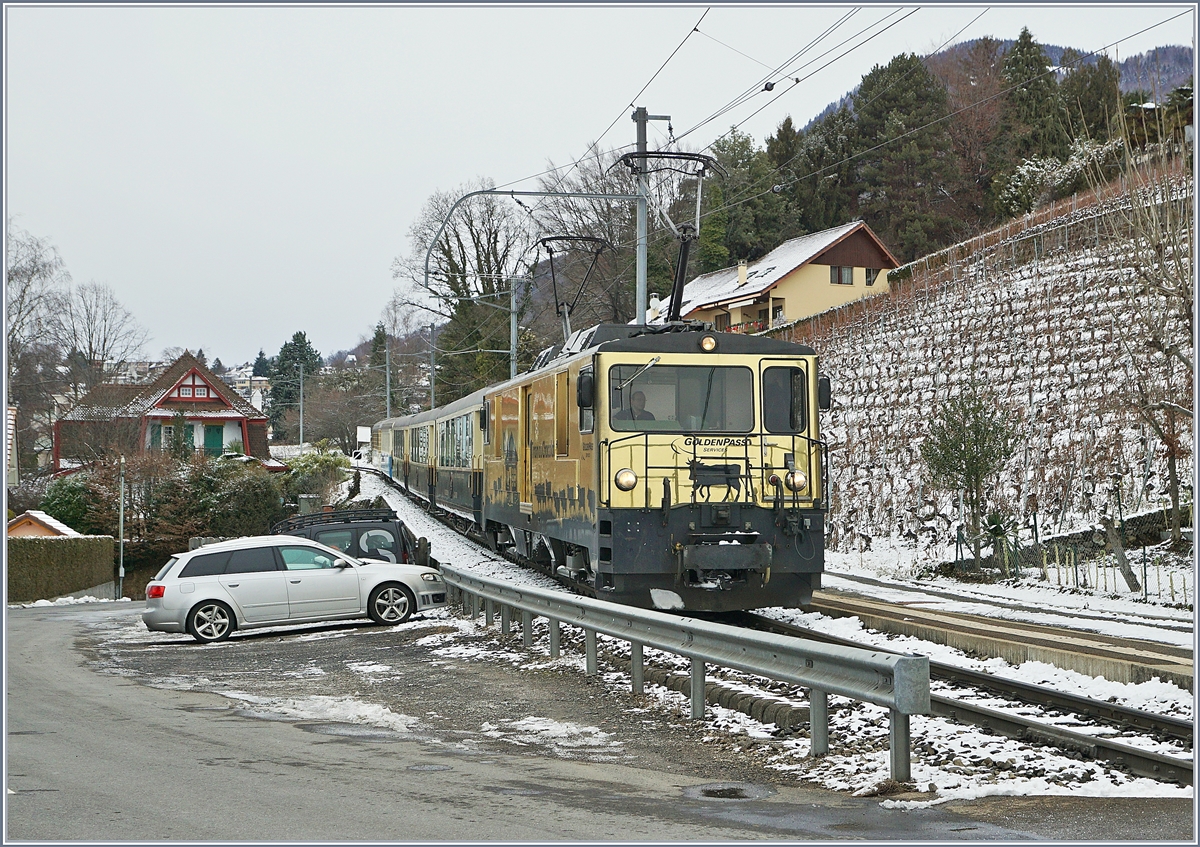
(236, 174)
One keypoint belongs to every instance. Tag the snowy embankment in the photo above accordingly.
(1049, 321)
(949, 761)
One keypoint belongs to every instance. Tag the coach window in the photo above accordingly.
(784, 399)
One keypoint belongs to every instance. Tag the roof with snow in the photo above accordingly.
(111, 401)
(722, 286)
(53, 525)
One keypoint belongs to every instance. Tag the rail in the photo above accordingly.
(897, 683)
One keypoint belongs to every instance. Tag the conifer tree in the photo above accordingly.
(711, 252)
(1034, 123)
(757, 221)
(1090, 96)
(910, 168)
(262, 365)
(285, 376)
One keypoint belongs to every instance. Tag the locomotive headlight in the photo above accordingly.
(795, 480)
(626, 479)
(708, 343)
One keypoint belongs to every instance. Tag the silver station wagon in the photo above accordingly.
(279, 579)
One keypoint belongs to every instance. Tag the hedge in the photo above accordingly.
(144, 559)
(45, 568)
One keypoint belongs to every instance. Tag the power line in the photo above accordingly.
(633, 100)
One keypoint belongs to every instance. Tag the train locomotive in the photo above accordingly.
(668, 467)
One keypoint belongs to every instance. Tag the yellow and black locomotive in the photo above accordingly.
(666, 467)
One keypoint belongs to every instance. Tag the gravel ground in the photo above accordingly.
(441, 679)
(459, 700)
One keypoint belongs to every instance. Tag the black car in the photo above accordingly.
(362, 533)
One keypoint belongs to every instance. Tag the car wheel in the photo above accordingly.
(390, 604)
(210, 621)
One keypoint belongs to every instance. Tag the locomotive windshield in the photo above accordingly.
(681, 398)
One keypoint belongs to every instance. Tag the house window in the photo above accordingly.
(762, 314)
(185, 391)
(841, 275)
(777, 315)
(721, 322)
(201, 391)
(872, 274)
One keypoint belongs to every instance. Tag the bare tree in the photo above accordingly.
(35, 279)
(474, 260)
(96, 330)
(1153, 316)
(610, 290)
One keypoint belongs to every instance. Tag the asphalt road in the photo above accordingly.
(96, 753)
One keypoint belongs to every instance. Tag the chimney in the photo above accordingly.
(741, 273)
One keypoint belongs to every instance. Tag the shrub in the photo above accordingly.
(317, 473)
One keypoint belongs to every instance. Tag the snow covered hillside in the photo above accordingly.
(1042, 315)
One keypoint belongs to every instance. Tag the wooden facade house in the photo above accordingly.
(799, 278)
(38, 524)
(133, 419)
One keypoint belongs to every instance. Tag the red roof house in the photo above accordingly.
(131, 419)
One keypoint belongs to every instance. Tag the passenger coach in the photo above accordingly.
(670, 468)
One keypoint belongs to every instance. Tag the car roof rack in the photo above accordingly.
(342, 516)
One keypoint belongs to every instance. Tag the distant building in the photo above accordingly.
(247, 385)
(132, 419)
(799, 278)
(39, 524)
(13, 476)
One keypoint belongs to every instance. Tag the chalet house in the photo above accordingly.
(39, 524)
(799, 278)
(116, 417)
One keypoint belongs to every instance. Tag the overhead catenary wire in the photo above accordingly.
(977, 103)
(633, 100)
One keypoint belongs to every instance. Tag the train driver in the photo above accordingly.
(636, 411)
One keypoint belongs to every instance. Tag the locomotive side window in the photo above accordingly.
(586, 411)
(784, 399)
(681, 398)
(562, 406)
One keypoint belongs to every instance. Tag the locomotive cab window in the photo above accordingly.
(784, 399)
(681, 398)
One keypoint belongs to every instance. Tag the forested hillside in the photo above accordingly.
(929, 151)
(1077, 321)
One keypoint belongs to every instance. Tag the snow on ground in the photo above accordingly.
(67, 601)
(949, 761)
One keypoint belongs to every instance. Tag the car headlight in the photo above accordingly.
(431, 577)
(795, 480)
(626, 479)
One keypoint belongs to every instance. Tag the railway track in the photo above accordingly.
(1137, 761)
(1140, 762)
(1095, 654)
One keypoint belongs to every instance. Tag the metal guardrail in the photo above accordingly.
(898, 683)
